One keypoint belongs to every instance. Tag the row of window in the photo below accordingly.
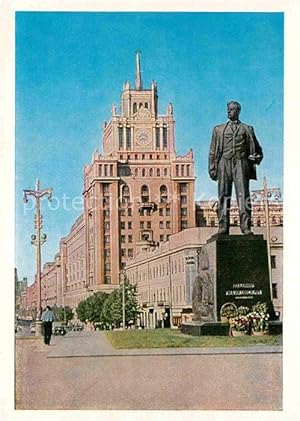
(183, 170)
(161, 270)
(129, 252)
(162, 294)
(257, 222)
(135, 106)
(106, 170)
(145, 172)
(143, 156)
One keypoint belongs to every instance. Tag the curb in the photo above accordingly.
(159, 352)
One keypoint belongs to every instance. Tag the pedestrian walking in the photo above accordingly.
(47, 319)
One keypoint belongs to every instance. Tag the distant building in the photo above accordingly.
(206, 215)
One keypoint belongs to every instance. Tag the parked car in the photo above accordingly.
(32, 327)
(77, 327)
(60, 330)
(18, 328)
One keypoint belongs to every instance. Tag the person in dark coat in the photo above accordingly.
(47, 319)
(233, 156)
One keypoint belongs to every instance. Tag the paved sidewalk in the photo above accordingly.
(75, 370)
(96, 344)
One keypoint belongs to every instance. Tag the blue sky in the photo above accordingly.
(70, 68)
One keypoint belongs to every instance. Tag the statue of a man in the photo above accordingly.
(234, 153)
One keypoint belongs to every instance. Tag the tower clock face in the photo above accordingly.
(143, 137)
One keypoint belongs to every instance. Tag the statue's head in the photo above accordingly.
(233, 110)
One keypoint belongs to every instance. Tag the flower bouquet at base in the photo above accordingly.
(228, 311)
(239, 325)
(259, 319)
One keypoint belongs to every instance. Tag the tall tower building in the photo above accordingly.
(137, 191)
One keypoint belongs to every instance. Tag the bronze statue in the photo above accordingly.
(234, 153)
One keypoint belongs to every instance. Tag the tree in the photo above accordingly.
(64, 313)
(112, 313)
(91, 308)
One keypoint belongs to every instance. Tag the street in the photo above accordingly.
(212, 381)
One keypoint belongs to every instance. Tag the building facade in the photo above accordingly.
(206, 215)
(165, 276)
(138, 191)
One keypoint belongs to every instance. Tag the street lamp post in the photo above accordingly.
(38, 240)
(265, 194)
(123, 300)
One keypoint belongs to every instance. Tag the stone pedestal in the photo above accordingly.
(232, 269)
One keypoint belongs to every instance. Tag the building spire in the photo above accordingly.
(138, 77)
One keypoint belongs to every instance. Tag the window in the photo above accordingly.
(107, 266)
(106, 252)
(168, 224)
(142, 225)
(188, 170)
(123, 252)
(129, 238)
(168, 211)
(157, 133)
(106, 226)
(107, 280)
(122, 238)
(146, 105)
(107, 238)
(161, 212)
(129, 225)
(165, 172)
(130, 252)
(161, 224)
(158, 172)
(145, 194)
(163, 194)
(122, 212)
(182, 170)
(129, 211)
(183, 211)
(105, 188)
(183, 188)
(136, 172)
(273, 262)
(134, 108)
(184, 225)
(177, 170)
(165, 137)
(274, 291)
(151, 172)
(143, 172)
(149, 224)
(161, 238)
(183, 200)
(122, 225)
(120, 138)
(125, 191)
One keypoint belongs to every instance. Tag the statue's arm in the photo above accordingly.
(212, 158)
(257, 146)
